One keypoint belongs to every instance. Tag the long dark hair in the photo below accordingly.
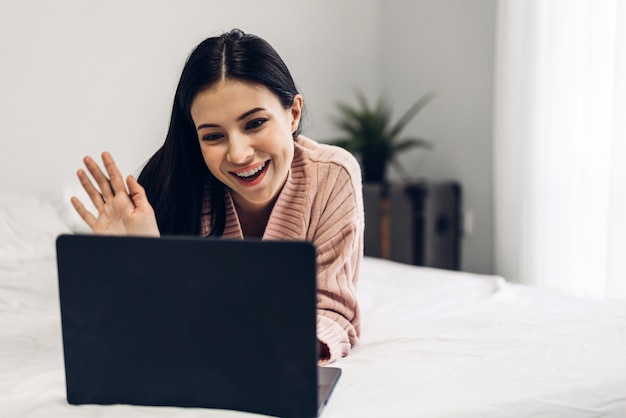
(176, 175)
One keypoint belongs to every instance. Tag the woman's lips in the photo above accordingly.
(251, 176)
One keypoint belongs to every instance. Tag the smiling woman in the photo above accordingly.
(235, 165)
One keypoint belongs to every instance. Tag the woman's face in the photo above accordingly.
(246, 139)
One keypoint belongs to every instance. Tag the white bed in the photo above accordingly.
(434, 343)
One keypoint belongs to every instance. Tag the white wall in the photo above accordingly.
(448, 46)
(81, 76)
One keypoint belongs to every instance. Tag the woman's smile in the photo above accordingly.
(251, 175)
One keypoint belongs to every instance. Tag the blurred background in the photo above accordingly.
(82, 76)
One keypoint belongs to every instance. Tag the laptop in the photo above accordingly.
(192, 322)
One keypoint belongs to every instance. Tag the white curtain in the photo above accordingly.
(560, 145)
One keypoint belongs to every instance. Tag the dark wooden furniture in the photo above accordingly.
(415, 223)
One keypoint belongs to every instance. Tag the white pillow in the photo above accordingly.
(29, 226)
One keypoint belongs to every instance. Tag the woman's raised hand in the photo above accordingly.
(121, 210)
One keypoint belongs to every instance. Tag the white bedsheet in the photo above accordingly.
(434, 344)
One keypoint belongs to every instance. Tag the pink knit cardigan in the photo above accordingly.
(321, 202)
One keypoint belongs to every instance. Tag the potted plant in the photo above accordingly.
(371, 135)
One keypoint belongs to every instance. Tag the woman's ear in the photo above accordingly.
(296, 112)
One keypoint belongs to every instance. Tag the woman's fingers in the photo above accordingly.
(146, 223)
(137, 193)
(94, 194)
(116, 180)
(87, 216)
(99, 177)
(109, 187)
(122, 204)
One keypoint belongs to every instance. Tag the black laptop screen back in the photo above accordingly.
(189, 322)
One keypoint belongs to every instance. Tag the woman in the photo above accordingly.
(235, 165)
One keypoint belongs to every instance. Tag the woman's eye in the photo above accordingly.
(256, 123)
(212, 137)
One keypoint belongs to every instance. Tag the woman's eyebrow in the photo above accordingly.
(240, 118)
(249, 112)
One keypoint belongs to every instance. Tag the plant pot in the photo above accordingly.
(374, 169)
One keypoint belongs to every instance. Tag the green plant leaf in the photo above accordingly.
(411, 112)
(369, 131)
(408, 143)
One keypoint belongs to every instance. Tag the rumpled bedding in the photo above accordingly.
(434, 343)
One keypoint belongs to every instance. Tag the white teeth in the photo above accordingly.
(251, 172)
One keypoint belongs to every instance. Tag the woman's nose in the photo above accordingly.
(240, 150)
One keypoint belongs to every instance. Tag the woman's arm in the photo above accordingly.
(339, 242)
